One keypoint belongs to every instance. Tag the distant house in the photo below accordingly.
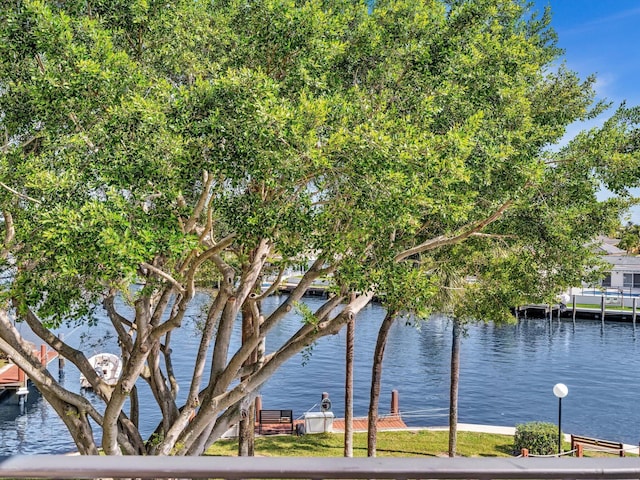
(625, 268)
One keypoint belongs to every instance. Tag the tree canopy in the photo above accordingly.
(150, 147)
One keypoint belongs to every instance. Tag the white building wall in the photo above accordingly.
(621, 265)
(617, 279)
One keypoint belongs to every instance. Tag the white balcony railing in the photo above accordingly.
(80, 467)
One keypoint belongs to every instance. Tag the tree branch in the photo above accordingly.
(443, 240)
(203, 257)
(74, 356)
(9, 233)
(192, 402)
(315, 271)
(18, 194)
(22, 354)
(118, 320)
(164, 275)
(81, 131)
(202, 201)
(229, 397)
(273, 287)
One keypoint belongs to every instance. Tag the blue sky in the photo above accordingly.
(601, 37)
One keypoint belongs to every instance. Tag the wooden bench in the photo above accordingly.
(578, 442)
(273, 421)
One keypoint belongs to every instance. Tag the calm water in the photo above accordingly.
(507, 376)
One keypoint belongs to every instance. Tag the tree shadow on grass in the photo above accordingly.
(404, 452)
(507, 449)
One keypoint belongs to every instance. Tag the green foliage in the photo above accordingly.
(155, 439)
(406, 145)
(630, 238)
(406, 121)
(541, 438)
(307, 314)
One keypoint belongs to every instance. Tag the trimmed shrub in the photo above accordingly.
(540, 438)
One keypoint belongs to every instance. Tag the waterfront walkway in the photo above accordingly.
(391, 422)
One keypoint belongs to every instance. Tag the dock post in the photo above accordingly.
(550, 312)
(23, 390)
(602, 309)
(43, 355)
(258, 405)
(395, 403)
(573, 306)
(635, 301)
(60, 357)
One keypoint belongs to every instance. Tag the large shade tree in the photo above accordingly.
(148, 146)
(537, 249)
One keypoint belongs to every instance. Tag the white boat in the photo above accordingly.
(107, 366)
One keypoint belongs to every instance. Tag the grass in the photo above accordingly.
(597, 306)
(404, 443)
(422, 443)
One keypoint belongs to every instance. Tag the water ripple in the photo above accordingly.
(507, 375)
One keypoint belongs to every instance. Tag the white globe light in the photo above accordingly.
(560, 390)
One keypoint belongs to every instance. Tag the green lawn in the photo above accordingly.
(423, 443)
(405, 443)
(597, 306)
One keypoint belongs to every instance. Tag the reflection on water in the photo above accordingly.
(36, 430)
(507, 374)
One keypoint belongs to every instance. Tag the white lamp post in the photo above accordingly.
(560, 390)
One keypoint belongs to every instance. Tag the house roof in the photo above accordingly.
(607, 246)
(623, 262)
(610, 249)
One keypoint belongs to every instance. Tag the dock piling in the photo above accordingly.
(61, 358)
(395, 403)
(258, 405)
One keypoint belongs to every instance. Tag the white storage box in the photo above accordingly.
(318, 422)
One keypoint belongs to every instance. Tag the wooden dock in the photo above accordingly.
(391, 422)
(13, 378)
(603, 312)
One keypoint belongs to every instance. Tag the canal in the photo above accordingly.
(507, 376)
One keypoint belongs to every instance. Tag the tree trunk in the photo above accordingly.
(78, 425)
(246, 430)
(134, 411)
(376, 375)
(348, 391)
(453, 391)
